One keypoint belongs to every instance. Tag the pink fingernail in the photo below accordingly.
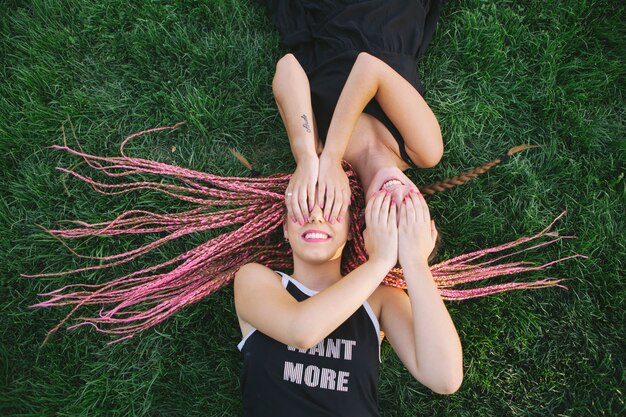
(306, 219)
(294, 220)
(339, 219)
(301, 223)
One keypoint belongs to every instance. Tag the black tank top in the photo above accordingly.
(337, 377)
(326, 37)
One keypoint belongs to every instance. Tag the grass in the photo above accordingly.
(498, 74)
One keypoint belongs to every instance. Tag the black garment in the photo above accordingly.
(327, 36)
(336, 378)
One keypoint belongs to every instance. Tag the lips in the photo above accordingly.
(392, 182)
(313, 236)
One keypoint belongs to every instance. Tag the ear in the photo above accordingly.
(285, 234)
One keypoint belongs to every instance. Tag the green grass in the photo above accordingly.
(498, 74)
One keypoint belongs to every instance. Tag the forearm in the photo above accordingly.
(322, 313)
(360, 87)
(371, 78)
(293, 98)
(437, 346)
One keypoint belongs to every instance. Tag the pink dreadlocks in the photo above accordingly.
(142, 299)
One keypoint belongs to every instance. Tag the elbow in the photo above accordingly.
(288, 70)
(448, 382)
(435, 152)
(449, 386)
(367, 63)
(430, 154)
(304, 340)
(304, 334)
(442, 380)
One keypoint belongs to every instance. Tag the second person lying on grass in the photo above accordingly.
(350, 90)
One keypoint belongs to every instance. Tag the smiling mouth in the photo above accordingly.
(391, 183)
(315, 236)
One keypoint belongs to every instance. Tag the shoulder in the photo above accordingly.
(253, 269)
(254, 274)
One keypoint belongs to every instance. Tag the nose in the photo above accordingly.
(317, 215)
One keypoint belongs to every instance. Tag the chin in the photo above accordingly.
(318, 256)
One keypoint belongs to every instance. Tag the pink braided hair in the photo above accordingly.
(142, 299)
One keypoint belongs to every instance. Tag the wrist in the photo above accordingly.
(382, 264)
(307, 158)
(330, 156)
(415, 264)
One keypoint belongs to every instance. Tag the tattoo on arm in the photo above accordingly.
(306, 123)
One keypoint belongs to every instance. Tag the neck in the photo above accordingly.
(317, 276)
(373, 161)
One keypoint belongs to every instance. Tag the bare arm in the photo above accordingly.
(372, 78)
(262, 302)
(419, 326)
(293, 98)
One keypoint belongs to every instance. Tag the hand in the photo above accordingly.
(381, 232)
(300, 194)
(333, 190)
(416, 231)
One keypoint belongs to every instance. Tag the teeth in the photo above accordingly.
(315, 236)
(391, 183)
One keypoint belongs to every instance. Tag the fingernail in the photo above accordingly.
(393, 202)
(332, 220)
(294, 220)
(339, 219)
(306, 219)
(301, 223)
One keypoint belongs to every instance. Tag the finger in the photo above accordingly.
(346, 205)
(424, 207)
(321, 193)
(376, 207)
(384, 209)
(419, 206)
(296, 206)
(329, 202)
(417, 210)
(410, 208)
(403, 216)
(369, 209)
(304, 203)
(393, 213)
(433, 231)
(290, 215)
(311, 197)
(337, 206)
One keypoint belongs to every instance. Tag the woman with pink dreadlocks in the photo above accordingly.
(311, 342)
